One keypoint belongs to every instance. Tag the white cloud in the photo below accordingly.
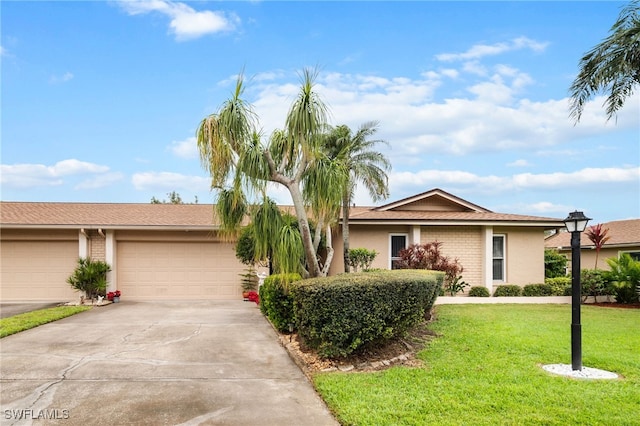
(541, 207)
(519, 163)
(584, 178)
(481, 50)
(32, 175)
(167, 181)
(55, 79)
(100, 181)
(414, 122)
(185, 149)
(186, 23)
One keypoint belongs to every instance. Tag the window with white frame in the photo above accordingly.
(397, 242)
(635, 255)
(498, 258)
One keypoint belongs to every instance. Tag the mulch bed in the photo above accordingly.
(616, 305)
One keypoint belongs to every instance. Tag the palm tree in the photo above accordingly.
(612, 66)
(241, 163)
(363, 163)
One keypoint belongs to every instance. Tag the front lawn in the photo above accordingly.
(21, 322)
(484, 369)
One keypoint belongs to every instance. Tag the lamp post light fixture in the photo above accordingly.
(576, 223)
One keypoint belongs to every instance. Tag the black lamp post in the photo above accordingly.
(576, 223)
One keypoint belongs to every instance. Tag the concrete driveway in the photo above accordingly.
(156, 363)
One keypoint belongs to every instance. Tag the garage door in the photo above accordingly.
(37, 270)
(178, 270)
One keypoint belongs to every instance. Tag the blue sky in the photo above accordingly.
(101, 100)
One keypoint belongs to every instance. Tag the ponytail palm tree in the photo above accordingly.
(363, 163)
(612, 66)
(242, 164)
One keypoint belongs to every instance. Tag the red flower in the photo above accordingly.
(113, 294)
(254, 297)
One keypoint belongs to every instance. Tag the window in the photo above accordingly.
(397, 242)
(498, 258)
(635, 255)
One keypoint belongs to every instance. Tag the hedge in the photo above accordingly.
(537, 290)
(338, 315)
(507, 290)
(276, 301)
(479, 292)
(559, 285)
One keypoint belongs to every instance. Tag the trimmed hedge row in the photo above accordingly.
(276, 301)
(507, 290)
(478, 291)
(339, 314)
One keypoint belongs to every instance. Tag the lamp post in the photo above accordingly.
(576, 223)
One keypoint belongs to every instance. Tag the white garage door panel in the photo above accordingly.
(37, 270)
(178, 270)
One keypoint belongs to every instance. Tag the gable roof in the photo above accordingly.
(435, 199)
(623, 233)
(438, 207)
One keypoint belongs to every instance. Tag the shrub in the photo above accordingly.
(625, 277)
(276, 300)
(559, 285)
(479, 292)
(555, 264)
(537, 290)
(594, 282)
(507, 290)
(338, 315)
(361, 258)
(429, 256)
(90, 276)
(454, 287)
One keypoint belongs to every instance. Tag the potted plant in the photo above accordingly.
(249, 282)
(114, 296)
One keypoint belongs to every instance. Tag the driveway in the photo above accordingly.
(156, 363)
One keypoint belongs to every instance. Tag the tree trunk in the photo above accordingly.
(345, 230)
(311, 257)
(327, 264)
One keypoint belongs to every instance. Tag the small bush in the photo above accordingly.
(558, 285)
(594, 282)
(276, 301)
(537, 290)
(361, 258)
(456, 286)
(90, 276)
(338, 315)
(429, 256)
(507, 290)
(555, 264)
(479, 292)
(624, 277)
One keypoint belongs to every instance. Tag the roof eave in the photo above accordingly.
(113, 227)
(450, 222)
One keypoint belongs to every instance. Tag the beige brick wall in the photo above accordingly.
(525, 255)
(96, 242)
(463, 242)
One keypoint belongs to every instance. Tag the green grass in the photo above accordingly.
(21, 322)
(484, 369)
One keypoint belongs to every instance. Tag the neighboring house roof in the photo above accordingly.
(435, 207)
(622, 233)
